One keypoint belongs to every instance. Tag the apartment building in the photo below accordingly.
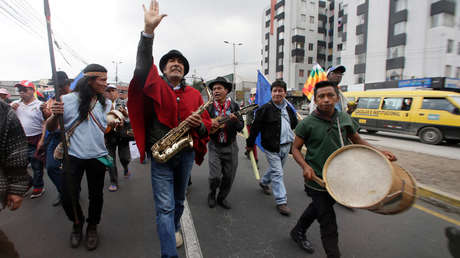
(376, 40)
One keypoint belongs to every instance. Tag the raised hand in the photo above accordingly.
(152, 17)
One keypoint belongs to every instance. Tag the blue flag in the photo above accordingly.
(74, 83)
(263, 95)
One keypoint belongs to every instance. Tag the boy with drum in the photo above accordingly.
(320, 134)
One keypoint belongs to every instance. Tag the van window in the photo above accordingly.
(397, 104)
(369, 103)
(438, 104)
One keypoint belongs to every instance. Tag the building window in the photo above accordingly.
(280, 48)
(299, 59)
(280, 22)
(360, 39)
(448, 71)
(339, 47)
(360, 78)
(450, 46)
(280, 61)
(361, 59)
(309, 72)
(303, 18)
(457, 73)
(298, 45)
(361, 19)
(435, 20)
(310, 47)
(301, 73)
(310, 60)
(394, 74)
(312, 19)
(338, 60)
(281, 35)
(400, 27)
(394, 52)
(400, 5)
(279, 75)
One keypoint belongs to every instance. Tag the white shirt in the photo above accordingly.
(31, 117)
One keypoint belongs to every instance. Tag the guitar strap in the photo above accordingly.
(221, 110)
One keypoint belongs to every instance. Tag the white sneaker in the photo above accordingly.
(179, 240)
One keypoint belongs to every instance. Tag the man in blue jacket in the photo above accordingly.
(275, 121)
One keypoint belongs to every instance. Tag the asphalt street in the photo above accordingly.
(253, 228)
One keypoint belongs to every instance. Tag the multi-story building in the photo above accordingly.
(376, 40)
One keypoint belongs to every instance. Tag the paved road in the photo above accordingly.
(252, 228)
(412, 143)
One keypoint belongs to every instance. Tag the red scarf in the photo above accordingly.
(166, 109)
(221, 110)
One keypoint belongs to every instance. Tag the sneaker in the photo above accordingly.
(37, 192)
(127, 174)
(283, 209)
(57, 202)
(265, 189)
(76, 235)
(224, 204)
(179, 240)
(113, 188)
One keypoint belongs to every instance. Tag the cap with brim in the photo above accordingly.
(338, 68)
(111, 86)
(222, 81)
(25, 84)
(5, 91)
(63, 79)
(174, 54)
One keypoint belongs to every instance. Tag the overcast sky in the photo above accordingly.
(102, 31)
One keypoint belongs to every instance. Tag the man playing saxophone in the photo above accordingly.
(156, 105)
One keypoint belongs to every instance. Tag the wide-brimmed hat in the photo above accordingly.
(173, 54)
(5, 91)
(62, 79)
(222, 81)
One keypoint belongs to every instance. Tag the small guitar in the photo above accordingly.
(223, 119)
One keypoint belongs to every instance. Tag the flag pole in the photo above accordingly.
(57, 93)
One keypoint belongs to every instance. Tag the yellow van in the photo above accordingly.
(432, 115)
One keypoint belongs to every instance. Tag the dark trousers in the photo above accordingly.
(223, 163)
(321, 208)
(7, 249)
(123, 153)
(53, 167)
(35, 161)
(95, 173)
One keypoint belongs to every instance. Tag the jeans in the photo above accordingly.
(274, 174)
(54, 166)
(169, 182)
(37, 166)
(95, 174)
(321, 208)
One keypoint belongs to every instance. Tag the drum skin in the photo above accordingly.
(359, 176)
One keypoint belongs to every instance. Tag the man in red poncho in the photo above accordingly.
(157, 104)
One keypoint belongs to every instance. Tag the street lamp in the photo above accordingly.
(234, 66)
(116, 71)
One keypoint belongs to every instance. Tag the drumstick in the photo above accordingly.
(318, 180)
(251, 156)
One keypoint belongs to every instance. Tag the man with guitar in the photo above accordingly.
(223, 149)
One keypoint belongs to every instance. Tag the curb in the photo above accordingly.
(431, 193)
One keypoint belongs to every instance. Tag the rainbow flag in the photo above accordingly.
(317, 74)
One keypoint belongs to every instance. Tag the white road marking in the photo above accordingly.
(191, 242)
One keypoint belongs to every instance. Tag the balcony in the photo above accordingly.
(399, 17)
(331, 33)
(321, 30)
(280, 16)
(397, 40)
(330, 45)
(395, 63)
(359, 49)
(321, 57)
(329, 58)
(331, 19)
(266, 60)
(298, 52)
(362, 8)
(279, 4)
(360, 29)
(266, 72)
(331, 6)
(322, 4)
(267, 35)
(443, 6)
(298, 39)
(340, 13)
(359, 68)
(267, 24)
(322, 17)
(279, 68)
(321, 43)
(266, 48)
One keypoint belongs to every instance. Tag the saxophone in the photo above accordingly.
(177, 138)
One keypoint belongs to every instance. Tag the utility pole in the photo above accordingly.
(234, 66)
(116, 71)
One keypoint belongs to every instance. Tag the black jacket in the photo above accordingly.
(232, 126)
(268, 123)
